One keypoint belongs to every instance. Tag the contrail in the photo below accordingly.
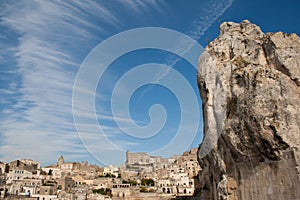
(198, 27)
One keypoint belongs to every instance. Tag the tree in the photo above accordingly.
(131, 182)
(102, 191)
(148, 181)
(143, 189)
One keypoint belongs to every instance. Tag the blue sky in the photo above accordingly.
(43, 45)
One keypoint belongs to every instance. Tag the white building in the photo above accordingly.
(111, 170)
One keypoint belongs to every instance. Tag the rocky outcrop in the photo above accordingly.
(250, 88)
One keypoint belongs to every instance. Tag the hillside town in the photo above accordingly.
(142, 176)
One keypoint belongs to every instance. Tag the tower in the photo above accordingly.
(60, 161)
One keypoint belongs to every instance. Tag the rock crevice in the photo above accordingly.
(250, 88)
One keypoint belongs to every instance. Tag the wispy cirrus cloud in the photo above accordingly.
(142, 6)
(42, 49)
(51, 38)
(209, 15)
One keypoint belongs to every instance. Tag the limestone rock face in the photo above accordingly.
(250, 88)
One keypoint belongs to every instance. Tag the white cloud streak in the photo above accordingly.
(50, 36)
(210, 15)
(199, 26)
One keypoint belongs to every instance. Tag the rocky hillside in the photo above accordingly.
(250, 87)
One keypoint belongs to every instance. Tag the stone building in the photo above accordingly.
(66, 183)
(141, 165)
(3, 167)
(69, 180)
(121, 190)
(177, 184)
(25, 164)
(111, 170)
(60, 161)
(78, 179)
(25, 187)
(137, 158)
(46, 193)
(103, 182)
(63, 169)
(188, 163)
(15, 175)
(181, 176)
(30, 162)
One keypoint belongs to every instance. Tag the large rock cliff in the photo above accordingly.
(250, 88)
